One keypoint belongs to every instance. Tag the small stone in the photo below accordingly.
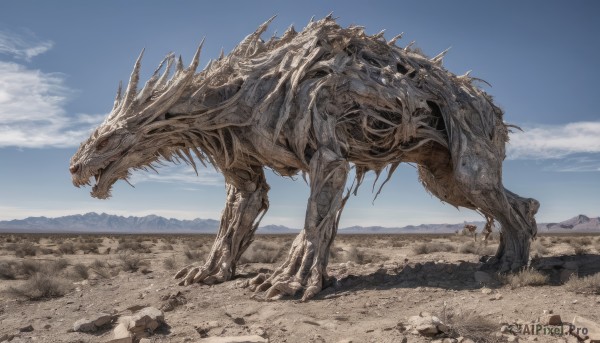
(486, 290)
(121, 331)
(593, 328)
(498, 296)
(27, 328)
(551, 319)
(574, 301)
(146, 320)
(504, 329)
(145, 340)
(532, 338)
(512, 339)
(425, 325)
(258, 330)
(84, 325)
(102, 319)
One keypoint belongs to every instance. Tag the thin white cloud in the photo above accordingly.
(555, 142)
(32, 102)
(22, 46)
(180, 174)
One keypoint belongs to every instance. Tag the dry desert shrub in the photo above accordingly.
(130, 261)
(133, 245)
(479, 248)
(88, 248)
(169, 263)
(8, 270)
(194, 255)
(81, 271)
(40, 286)
(25, 249)
(587, 285)
(166, 246)
(263, 252)
(428, 248)
(398, 242)
(195, 244)
(526, 277)
(358, 256)
(579, 249)
(30, 267)
(470, 324)
(538, 248)
(67, 248)
(101, 269)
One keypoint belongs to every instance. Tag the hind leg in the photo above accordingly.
(478, 176)
(474, 181)
(246, 203)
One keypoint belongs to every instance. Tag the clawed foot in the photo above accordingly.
(194, 274)
(277, 286)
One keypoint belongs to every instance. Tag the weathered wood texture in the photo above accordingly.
(315, 102)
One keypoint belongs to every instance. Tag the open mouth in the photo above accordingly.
(103, 181)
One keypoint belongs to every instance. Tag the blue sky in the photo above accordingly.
(60, 63)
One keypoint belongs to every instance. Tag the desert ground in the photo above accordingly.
(385, 288)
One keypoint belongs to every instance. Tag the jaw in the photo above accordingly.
(103, 179)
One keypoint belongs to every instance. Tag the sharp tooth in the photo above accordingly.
(96, 177)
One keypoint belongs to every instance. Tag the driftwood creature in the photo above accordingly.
(314, 102)
(470, 230)
(487, 229)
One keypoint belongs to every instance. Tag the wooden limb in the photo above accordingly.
(243, 211)
(305, 266)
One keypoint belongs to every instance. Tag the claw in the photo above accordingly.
(189, 278)
(310, 292)
(263, 287)
(181, 273)
(258, 279)
(282, 288)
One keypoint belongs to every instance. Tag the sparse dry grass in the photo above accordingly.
(470, 324)
(81, 271)
(25, 249)
(101, 268)
(67, 248)
(526, 277)
(588, 284)
(539, 248)
(133, 245)
(40, 286)
(88, 248)
(130, 261)
(428, 248)
(263, 252)
(193, 255)
(8, 270)
(169, 263)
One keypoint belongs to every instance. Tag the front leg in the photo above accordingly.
(306, 264)
(246, 204)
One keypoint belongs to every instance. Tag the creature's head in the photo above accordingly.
(127, 139)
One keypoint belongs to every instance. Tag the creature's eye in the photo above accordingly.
(102, 144)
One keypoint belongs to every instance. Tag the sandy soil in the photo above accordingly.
(381, 281)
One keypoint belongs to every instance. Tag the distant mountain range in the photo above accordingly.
(579, 223)
(107, 223)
